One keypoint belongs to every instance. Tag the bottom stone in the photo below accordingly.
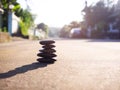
(46, 60)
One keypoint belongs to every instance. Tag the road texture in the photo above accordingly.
(80, 65)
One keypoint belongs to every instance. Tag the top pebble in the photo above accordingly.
(44, 42)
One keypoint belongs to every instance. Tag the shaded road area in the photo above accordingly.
(80, 65)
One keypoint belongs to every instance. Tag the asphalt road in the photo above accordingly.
(80, 65)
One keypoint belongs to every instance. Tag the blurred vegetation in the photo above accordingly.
(64, 32)
(101, 15)
(5, 7)
(26, 21)
(98, 16)
(25, 16)
(43, 27)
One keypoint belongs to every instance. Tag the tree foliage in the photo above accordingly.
(67, 28)
(95, 15)
(5, 6)
(26, 21)
(25, 16)
(101, 15)
(43, 26)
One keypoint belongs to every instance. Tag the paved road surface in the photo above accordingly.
(80, 65)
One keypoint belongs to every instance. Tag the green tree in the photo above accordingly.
(96, 14)
(44, 27)
(5, 7)
(99, 15)
(25, 16)
(26, 21)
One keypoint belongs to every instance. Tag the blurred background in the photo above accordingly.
(41, 19)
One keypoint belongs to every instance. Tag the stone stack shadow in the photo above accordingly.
(47, 53)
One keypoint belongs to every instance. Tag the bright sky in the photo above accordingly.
(56, 13)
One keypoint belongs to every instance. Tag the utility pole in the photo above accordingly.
(1, 12)
(10, 6)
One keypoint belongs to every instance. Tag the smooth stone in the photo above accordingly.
(44, 60)
(48, 46)
(46, 55)
(44, 42)
(50, 51)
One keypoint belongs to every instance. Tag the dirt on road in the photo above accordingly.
(80, 65)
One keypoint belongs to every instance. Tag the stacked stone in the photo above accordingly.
(47, 53)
